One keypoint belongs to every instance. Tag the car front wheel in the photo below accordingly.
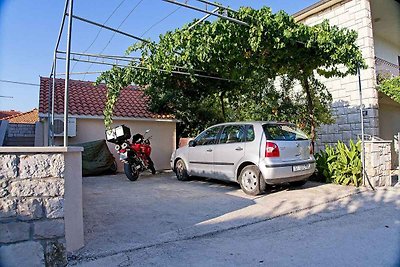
(251, 180)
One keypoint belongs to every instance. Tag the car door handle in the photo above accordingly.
(209, 150)
(239, 148)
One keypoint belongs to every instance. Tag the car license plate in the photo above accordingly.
(303, 167)
(123, 156)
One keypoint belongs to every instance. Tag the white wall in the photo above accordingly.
(386, 50)
(163, 134)
(389, 122)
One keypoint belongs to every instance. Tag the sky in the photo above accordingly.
(29, 30)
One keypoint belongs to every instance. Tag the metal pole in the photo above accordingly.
(99, 55)
(109, 28)
(52, 74)
(60, 31)
(398, 155)
(67, 72)
(49, 114)
(362, 126)
(217, 5)
(145, 68)
(207, 12)
(203, 18)
(53, 97)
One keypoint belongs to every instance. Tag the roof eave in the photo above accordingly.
(315, 8)
(96, 117)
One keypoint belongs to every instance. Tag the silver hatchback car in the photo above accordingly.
(251, 153)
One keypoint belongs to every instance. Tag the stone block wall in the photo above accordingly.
(21, 130)
(355, 15)
(32, 208)
(378, 162)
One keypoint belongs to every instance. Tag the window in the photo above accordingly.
(208, 137)
(250, 133)
(233, 134)
(283, 132)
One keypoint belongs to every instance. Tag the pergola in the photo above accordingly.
(116, 60)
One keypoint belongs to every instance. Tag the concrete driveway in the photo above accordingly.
(128, 220)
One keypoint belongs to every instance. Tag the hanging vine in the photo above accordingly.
(249, 58)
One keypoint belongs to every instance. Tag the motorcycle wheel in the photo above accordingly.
(151, 166)
(131, 172)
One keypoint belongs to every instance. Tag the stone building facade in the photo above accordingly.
(373, 21)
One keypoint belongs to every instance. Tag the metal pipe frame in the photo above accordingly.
(217, 5)
(144, 68)
(67, 65)
(80, 73)
(207, 12)
(118, 58)
(109, 28)
(98, 55)
(50, 117)
(53, 99)
(203, 18)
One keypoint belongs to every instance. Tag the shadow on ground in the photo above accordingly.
(123, 217)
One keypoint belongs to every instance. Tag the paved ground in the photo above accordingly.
(163, 222)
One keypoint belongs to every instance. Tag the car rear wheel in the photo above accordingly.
(251, 180)
(181, 170)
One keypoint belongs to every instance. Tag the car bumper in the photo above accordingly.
(287, 172)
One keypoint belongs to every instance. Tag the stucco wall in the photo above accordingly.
(356, 15)
(163, 139)
(386, 50)
(389, 122)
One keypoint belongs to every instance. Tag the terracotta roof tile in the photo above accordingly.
(26, 117)
(8, 113)
(87, 99)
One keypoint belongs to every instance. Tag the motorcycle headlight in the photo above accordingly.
(117, 147)
(124, 145)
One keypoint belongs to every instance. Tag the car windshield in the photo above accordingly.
(283, 132)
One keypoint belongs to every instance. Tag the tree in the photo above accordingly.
(244, 63)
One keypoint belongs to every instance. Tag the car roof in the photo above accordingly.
(252, 122)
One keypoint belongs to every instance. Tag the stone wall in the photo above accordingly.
(378, 162)
(21, 130)
(355, 15)
(32, 208)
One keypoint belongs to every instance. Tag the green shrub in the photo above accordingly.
(340, 164)
(390, 87)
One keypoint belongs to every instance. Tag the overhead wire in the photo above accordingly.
(99, 31)
(161, 20)
(112, 37)
(20, 83)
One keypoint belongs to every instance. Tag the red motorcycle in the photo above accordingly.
(135, 155)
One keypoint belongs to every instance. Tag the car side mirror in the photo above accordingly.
(192, 143)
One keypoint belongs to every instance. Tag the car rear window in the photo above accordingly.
(283, 132)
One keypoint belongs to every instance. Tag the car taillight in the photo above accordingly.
(271, 150)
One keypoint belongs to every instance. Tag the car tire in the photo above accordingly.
(131, 172)
(251, 181)
(298, 183)
(181, 171)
